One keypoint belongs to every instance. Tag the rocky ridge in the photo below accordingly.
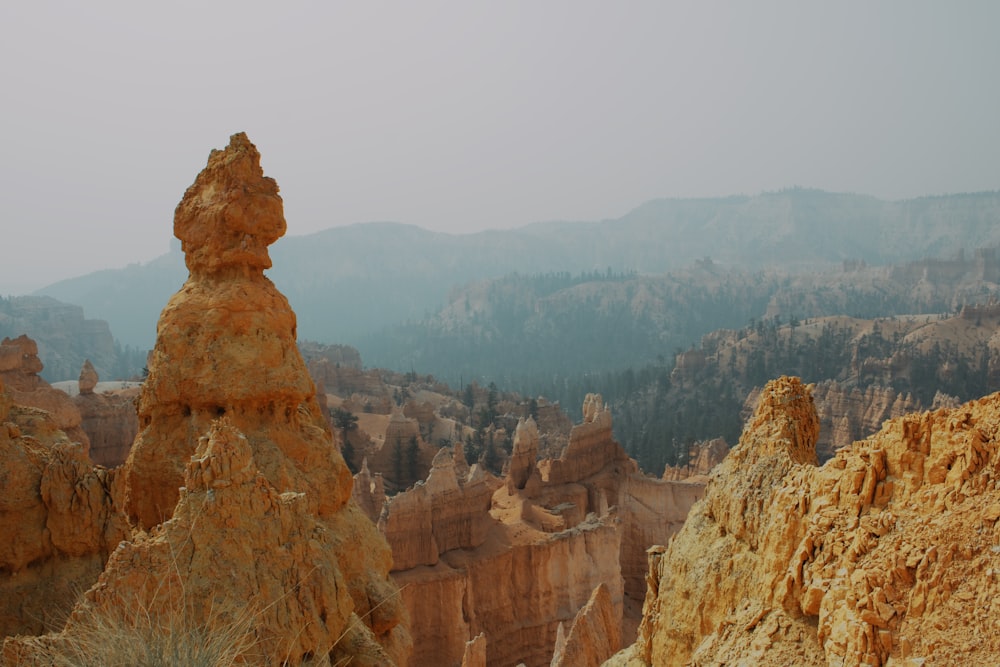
(887, 554)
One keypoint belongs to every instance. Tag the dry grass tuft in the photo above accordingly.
(130, 635)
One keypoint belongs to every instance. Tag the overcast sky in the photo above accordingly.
(463, 116)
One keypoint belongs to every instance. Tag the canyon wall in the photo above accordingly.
(62, 334)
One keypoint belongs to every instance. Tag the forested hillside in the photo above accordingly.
(662, 409)
(562, 336)
(531, 331)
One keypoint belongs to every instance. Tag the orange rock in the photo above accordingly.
(555, 530)
(19, 368)
(240, 497)
(108, 419)
(886, 552)
(226, 346)
(57, 518)
(594, 636)
(235, 542)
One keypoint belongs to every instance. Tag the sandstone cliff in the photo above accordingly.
(238, 495)
(886, 554)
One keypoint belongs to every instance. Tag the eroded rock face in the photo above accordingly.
(109, 419)
(886, 552)
(19, 369)
(88, 378)
(446, 512)
(57, 518)
(238, 494)
(235, 542)
(594, 636)
(226, 346)
(849, 414)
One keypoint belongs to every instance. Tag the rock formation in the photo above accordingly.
(19, 370)
(57, 517)
(593, 637)
(236, 489)
(702, 457)
(475, 652)
(235, 543)
(552, 531)
(446, 512)
(400, 453)
(887, 554)
(108, 418)
(849, 414)
(369, 492)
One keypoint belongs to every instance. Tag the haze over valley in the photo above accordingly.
(518, 335)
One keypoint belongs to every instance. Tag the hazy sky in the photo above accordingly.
(462, 116)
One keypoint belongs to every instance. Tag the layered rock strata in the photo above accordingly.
(887, 554)
(448, 511)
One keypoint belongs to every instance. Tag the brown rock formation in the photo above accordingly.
(516, 589)
(238, 491)
(885, 554)
(401, 454)
(369, 492)
(446, 512)
(849, 414)
(235, 542)
(338, 368)
(88, 378)
(19, 369)
(555, 531)
(226, 346)
(521, 468)
(109, 419)
(475, 652)
(590, 447)
(594, 636)
(58, 521)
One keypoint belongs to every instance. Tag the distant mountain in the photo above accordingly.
(66, 338)
(347, 282)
